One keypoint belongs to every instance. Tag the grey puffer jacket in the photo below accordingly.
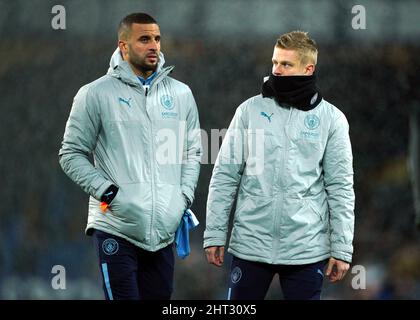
(146, 142)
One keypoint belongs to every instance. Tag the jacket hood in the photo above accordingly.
(121, 69)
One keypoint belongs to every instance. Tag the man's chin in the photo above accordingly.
(146, 67)
(150, 66)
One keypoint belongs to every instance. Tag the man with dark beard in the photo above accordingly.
(295, 199)
(143, 130)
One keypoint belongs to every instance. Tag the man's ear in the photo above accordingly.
(123, 45)
(309, 69)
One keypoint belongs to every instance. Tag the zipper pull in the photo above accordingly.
(146, 88)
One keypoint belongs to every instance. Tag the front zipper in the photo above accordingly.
(151, 150)
(279, 217)
(152, 172)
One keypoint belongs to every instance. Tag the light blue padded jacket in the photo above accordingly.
(292, 172)
(148, 143)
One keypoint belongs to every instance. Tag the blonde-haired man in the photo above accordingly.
(295, 216)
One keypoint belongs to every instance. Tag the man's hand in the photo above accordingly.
(215, 255)
(107, 197)
(336, 269)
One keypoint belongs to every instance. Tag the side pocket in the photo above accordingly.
(176, 210)
(310, 203)
(115, 205)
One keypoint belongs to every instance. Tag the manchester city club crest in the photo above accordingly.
(236, 275)
(311, 121)
(110, 246)
(167, 102)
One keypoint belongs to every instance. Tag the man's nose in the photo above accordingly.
(277, 71)
(154, 45)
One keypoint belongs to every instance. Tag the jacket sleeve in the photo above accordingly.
(80, 137)
(338, 179)
(192, 152)
(225, 180)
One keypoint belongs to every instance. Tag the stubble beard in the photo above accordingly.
(140, 63)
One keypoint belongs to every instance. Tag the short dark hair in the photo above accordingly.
(124, 28)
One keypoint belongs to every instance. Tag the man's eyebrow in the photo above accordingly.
(147, 36)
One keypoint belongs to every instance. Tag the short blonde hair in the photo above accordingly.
(299, 41)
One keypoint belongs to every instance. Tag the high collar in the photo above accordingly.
(299, 92)
(119, 68)
(148, 80)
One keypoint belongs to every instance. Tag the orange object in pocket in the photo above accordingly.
(104, 206)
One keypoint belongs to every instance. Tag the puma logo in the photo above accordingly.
(266, 115)
(127, 102)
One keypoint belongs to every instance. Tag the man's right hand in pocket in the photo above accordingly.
(108, 196)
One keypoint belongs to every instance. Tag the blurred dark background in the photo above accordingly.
(222, 50)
